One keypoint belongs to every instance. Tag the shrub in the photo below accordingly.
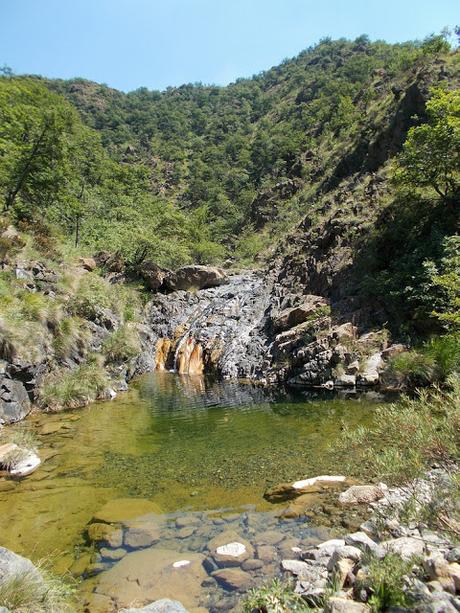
(413, 369)
(274, 597)
(386, 580)
(41, 592)
(123, 344)
(67, 389)
(445, 352)
(407, 437)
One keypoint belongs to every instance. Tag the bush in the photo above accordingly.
(445, 352)
(275, 597)
(67, 389)
(123, 344)
(412, 369)
(407, 437)
(386, 580)
(37, 593)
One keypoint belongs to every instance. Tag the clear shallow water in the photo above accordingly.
(196, 448)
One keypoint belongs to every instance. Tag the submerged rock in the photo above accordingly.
(229, 549)
(124, 509)
(151, 574)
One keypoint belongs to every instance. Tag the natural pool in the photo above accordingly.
(202, 452)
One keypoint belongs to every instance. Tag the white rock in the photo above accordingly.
(26, 466)
(181, 563)
(234, 550)
(405, 546)
(299, 485)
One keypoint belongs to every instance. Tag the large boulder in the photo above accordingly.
(14, 400)
(152, 275)
(195, 278)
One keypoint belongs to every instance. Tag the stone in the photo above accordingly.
(195, 278)
(112, 554)
(405, 546)
(365, 543)
(393, 350)
(335, 604)
(343, 572)
(140, 534)
(345, 380)
(361, 494)
(270, 537)
(229, 549)
(152, 275)
(252, 564)
(266, 553)
(105, 534)
(26, 465)
(186, 521)
(150, 574)
(287, 491)
(185, 533)
(165, 605)
(453, 555)
(88, 264)
(14, 400)
(121, 510)
(50, 428)
(346, 552)
(233, 579)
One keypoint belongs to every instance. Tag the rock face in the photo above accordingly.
(14, 400)
(195, 278)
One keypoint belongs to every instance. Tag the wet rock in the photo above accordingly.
(195, 277)
(112, 554)
(186, 521)
(26, 464)
(14, 400)
(266, 553)
(233, 579)
(252, 564)
(50, 428)
(405, 546)
(335, 604)
(152, 574)
(361, 494)
(105, 534)
(97, 603)
(229, 549)
(140, 534)
(270, 537)
(287, 491)
(124, 509)
(185, 533)
(160, 606)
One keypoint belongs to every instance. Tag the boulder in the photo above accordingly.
(405, 546)
(14, 400)
(336, 604)
(361, 494)
(140, 534)
(362, 541)
(233, 579)
(152, 274)
(152, 574)
(195, 278)
(159, 606)
(288, 318)
(88, 264)
(104, 534)
(229, 549)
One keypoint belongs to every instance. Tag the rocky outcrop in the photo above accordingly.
(14, 400)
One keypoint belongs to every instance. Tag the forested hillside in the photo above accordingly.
(204, 173)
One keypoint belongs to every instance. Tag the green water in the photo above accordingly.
(187, 444)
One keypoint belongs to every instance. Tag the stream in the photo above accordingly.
(187, 457)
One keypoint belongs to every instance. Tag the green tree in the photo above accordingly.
(431, 154)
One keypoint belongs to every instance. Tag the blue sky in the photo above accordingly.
(155, 43)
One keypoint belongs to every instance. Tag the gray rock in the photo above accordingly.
(14, 400)
(233, 579)
(159, 606)
(405, 546)
(453, 555)
(365, 543)
(335, 604)
(361, 494)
